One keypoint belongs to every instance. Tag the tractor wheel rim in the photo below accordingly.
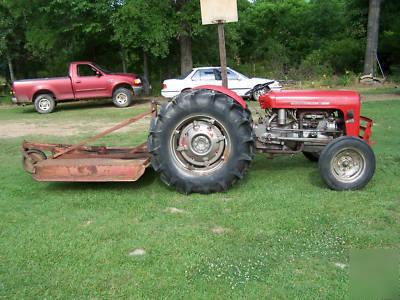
(44, 104)
(348, 165)
(200, 145)
(122, 98)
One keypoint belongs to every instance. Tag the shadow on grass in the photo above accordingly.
(280, 162)
(284, 162)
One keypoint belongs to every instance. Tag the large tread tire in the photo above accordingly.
(190, 109)
(347, 163)
(122, 97)
(312, 156)
(44, 103)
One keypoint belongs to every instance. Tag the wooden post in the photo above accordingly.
(222, 53)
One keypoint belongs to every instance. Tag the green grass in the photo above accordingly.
(380, 91)
(284, 230)
(5, 99)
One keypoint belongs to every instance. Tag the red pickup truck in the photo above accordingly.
(86, 80)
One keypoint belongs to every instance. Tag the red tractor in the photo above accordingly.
(205, 139)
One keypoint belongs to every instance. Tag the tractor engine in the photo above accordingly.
(295, 130)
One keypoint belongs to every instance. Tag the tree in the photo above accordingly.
(10, 40)
(187, 16)
(372, 36)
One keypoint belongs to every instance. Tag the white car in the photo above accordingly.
(237, 82)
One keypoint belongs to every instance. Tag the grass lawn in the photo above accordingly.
(379, 91)
(279, 234)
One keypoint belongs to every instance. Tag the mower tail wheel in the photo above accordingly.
(122, 97)
(347, 163)
(34, 156)
(312, 156)
(202, 141)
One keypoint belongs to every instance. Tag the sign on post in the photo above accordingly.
(219, 12)
(215, 11)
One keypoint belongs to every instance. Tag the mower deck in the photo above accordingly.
(87, 163)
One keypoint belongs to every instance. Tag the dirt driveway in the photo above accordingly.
(10, 129)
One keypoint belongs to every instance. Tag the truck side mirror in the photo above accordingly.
(98, 74)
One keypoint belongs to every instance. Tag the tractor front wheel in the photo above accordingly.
(347, 163)
(201, 141)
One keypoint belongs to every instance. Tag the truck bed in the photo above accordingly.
(61, 87)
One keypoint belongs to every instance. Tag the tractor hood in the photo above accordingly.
(347, 102)
(309, 99)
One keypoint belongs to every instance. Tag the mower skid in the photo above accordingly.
(90, 169)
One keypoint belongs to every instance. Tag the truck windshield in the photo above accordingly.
(102, 69)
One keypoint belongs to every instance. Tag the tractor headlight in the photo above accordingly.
(137, 81)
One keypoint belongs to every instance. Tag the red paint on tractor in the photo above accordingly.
(346, 101)
(225, 91)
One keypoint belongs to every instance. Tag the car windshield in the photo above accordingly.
(244, 76)
(232, 74)
(102, 69)
(183, 76)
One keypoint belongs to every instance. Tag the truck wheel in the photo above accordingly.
(347, 163)
(202, 141)
(45, 104)
(312, 156)
(122, 97)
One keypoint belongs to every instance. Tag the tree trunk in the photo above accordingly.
(146, 82)
(145, 65)
(123, 59)
(185, 43)
(372, 36)
(10, 68)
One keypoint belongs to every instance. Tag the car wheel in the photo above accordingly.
(257, 93)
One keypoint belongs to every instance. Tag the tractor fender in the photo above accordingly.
(225, 91)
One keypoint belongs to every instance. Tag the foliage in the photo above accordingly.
(288, 39)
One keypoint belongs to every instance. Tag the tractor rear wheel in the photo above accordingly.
(202, 141)
(347, 163)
